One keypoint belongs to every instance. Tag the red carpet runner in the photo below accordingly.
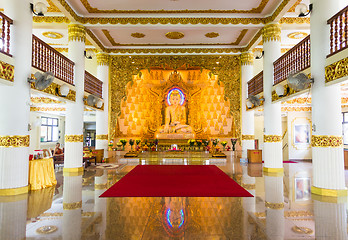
(176, 181)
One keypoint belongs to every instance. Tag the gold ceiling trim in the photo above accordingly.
(53, 35)
(138, 35)
(292, 9)
(174, 35)
(52, 7)
(44, 100)
(295, 20)
(6, 71)
(252, 42)
(95, 39)
(174, 50)
(257, 9)
(113, 43)
(212, 35)
(56, 19)
(297, 35)
(110, 38)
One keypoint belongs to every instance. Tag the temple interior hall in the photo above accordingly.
(173, 119)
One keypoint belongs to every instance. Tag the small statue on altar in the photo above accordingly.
(175, 116)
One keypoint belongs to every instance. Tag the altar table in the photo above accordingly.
(41, 174)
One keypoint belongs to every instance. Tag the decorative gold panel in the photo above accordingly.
(72, 206)
(212, 35)
(248, 137)
(174, 35)
(327, 141)
(44, 100)
(14, 141)
(52, 90)
(123, 69)
(74, 138)
(56, 19)
(77, 32)
(336, 70)
(101, 137)
(271, 32)
(53, 35)
(272, 138)
(138, 35)
(47, 109)
(52, 7)
(6, 71)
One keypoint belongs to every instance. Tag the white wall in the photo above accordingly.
(258, 66)
(258, 123)
(35, 122)
(299, 151)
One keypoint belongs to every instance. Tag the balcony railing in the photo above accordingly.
(93, 85)
(255, 85)
(338, 31)
(5, 34)
(47, 59)
(295, 60)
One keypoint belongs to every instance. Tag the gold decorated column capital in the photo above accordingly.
(103, 59)
(247, 58)
(271, 32)
(77, 32)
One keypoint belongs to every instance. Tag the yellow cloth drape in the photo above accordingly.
(41, 174)
(40, 201)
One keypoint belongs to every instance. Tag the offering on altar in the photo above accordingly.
(174, 147)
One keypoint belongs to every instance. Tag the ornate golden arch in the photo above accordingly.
(122, 69)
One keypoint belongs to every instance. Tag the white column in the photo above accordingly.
(102, 116)
(274, 202)
(13, 217)
(248, 203)
(14, 102)
(273, 154)
(327, 142)
(72, 206)
(74, 112)
(330, 220)
(247, 60)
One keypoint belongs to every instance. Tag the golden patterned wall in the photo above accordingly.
(131, 95)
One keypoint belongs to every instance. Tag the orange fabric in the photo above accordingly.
(59, 151)
(41, 174)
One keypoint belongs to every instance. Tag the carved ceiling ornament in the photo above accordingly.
(123, 68)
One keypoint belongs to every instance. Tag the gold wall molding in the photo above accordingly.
(272, 138)
(271, 32)
(274, 205)
(72, 206)
(295, 20)
(6, 71)
(327, 141)
(103, 59)
(123, 68)
(77, 32)
(44, 100)
(51, 89)
(14, 141)
(49, 19)
(336, 70)
(74, 138)
(248, 137)
(91, 9)
(101, 137)
(247, 58)
(47, 109)
(296, 109)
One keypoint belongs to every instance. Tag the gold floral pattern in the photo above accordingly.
(336, 70)
(47, 109)
(109, 37)
(248, 137)
(74, 138)
(6, 71)
(247, 58)
(44, 100)
(327, 141)
(212, 35)
(271, 32)
(77, 32)
(101, 137)
(138, 35)
(54, 88)
(72, 206)
(274, 205)
(103, 59)
(174, 35)
(14, 141)
(272, 138)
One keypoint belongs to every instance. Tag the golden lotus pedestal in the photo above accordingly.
(166, 144)
(178, 136)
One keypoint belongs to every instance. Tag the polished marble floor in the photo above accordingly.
(282, 208)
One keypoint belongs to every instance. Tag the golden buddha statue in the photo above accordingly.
(175, 116)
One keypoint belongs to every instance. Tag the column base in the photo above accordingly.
(273, 170)
(14, 191)
(73, 171)
(329, 192)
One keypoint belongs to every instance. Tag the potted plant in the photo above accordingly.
(199, 143)
(234, 141)
(223, 143)
(124, 142)
(111, 144)
(131, 143)
(191, 142)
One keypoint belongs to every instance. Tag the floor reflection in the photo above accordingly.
(282, 208)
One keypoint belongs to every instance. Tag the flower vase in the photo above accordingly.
(223, 148)
(123, 147)
(233, 147)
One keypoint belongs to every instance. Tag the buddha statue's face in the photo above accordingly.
(175, 99)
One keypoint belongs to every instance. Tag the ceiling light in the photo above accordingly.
(39, 9)
(302, 10)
